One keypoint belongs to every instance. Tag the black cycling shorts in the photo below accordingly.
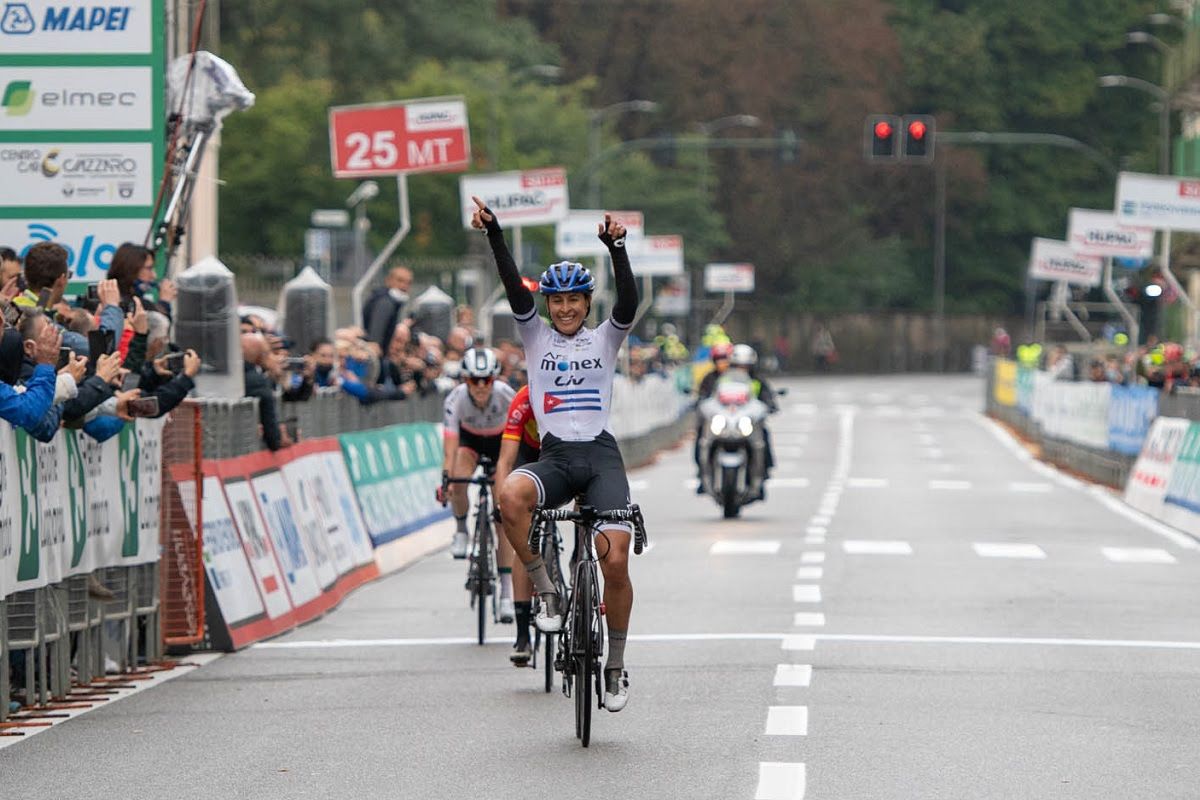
(527, 454)
(482, 445)
(592, 469)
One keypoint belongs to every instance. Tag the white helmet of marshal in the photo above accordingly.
(480, 362)
(743, 356)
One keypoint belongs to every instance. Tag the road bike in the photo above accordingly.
(550, 547)
(481, 564)
(581, 640)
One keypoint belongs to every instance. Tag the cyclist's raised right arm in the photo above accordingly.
(450, 426)
(520, 299)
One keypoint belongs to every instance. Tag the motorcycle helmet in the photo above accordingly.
(743, 356)
(721, 350)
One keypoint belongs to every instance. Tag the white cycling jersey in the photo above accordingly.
(571, 377)
(461, 413)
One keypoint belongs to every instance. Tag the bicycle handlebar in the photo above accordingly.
(587, 515)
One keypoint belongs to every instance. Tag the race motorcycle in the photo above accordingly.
(732, 447)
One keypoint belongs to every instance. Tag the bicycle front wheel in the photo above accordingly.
(483, 536)
(581, 623)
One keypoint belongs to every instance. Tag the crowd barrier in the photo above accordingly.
(206, 540)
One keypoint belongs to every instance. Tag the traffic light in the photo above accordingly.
(882, 133)
(917, 140)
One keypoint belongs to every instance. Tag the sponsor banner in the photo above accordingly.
(729, 277)
(1098, 233)
(1131, 410)
(118, 174)
(674, 299)
(1181, 505)
(1025, 386)
(361, 552)
(230, 578)
(659, 256)
(11, 533)
(264, 563)
(90, 243)
(39, 27)
(1158, 201)
(521, 198)
(1146, 489)
(76, 99)
(576, 236)
(395, 472)
(1053, 260)
(303, 581)
(1075, 412)
(1004, 382)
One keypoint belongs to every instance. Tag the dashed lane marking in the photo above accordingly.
(812, 557)
(808, 619)
(867, 483)
(793, 675)
(821, 519)
(780, 781)
(1138, 555)
(1008, 550)
(787, 483)
(816, 530)
(787, 721)
(1032, 488)
(815, 539)
(952, 486)
(745, 547)
(806, 593)
(878, 547)
(810, 573)
(797, 643)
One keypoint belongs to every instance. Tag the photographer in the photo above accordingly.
(256, 355)
(167, 373)
(46, 277)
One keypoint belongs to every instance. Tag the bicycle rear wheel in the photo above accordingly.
(584, 657)
(483, 537)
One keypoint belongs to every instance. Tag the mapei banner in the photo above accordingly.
(74, 505)
(1131, 410)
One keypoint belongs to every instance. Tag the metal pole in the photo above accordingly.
(593, 151)
(724, 311)
(356, 296)
(1164, 136)
(1111, 293)
(1165, 268)
(939, 263)
(647, 299)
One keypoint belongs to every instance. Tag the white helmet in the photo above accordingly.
(480, 362)
(743, 356)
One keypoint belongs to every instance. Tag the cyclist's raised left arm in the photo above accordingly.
(625, 309)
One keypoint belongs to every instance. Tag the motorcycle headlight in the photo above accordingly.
(745, 426)
(718, 424)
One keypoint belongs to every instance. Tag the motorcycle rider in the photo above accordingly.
(744, 359)
(719, 353)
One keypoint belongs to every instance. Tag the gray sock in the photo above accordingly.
(616, 649)
(461, 523)
(539, 576)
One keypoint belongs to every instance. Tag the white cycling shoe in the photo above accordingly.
(616, 689)
(458, 547)
(507, 612)
(549, 618)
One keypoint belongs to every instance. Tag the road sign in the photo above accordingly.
(1158, 201)
(729, 278)
(674, 299)
(520, 198)
(426, 135)
(575, 235)
(659, 255)
(1098, 233)
(1053, 260)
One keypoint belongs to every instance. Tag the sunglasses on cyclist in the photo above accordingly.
(480, 381)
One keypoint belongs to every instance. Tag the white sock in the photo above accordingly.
(506, 585)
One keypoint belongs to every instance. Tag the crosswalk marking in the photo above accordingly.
(793, 675)
(808, 619)
(1008, 550)
(1137, 555)
(812, 557)
(733, 547)
(810, 573)
(780, 781)
(877, 547)
(787, 721)
(806, 593)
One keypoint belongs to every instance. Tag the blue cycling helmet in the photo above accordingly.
(566, 276)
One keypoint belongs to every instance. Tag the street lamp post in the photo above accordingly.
(1164, 112)
(547, 72)
(596, 119)
(707, 129)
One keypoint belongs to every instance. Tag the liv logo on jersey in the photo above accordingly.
(572, 400)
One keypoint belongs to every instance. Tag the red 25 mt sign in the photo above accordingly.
(428, 135)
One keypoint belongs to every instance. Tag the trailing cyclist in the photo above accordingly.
(571, 370)
(473, 424)
(521, 445)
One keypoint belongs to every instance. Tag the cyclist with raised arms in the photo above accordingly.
(571, 371)
(473, 423)
(520, 445)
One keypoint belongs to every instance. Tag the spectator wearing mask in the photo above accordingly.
(132, 268)
(46, 269)
(255, 357)
(387, 307)
(167, 372)
(402, 368)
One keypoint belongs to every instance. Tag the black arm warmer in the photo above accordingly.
(520, 299)
(625, 309)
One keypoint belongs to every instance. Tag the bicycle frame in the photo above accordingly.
(482, 576)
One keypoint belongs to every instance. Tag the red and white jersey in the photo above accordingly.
(571, 377)
(461, 413)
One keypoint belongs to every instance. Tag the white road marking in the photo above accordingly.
(867, 483)
(1138, 555)
(787, 721)
(806, 593)
(808, 619)
(791, 642)
(816, 530)
(744, 547)
(190, 663)
(812, 557)
(793, 675)
(953, 486)
(810, 573)
(1149, 523)
(787, 483)
(817, 539)
(877, 547)
(639, 486)
(1035, 488)
(820, 520)
(1008, 550)
(780, 781)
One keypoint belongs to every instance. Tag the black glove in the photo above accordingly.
(609, 241)
(490, 226)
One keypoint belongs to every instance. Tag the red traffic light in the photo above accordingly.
(883, 129)
(916, 129)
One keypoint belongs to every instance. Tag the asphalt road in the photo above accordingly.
(926, 615)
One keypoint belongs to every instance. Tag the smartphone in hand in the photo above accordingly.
(143, 407)
(64, 357)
